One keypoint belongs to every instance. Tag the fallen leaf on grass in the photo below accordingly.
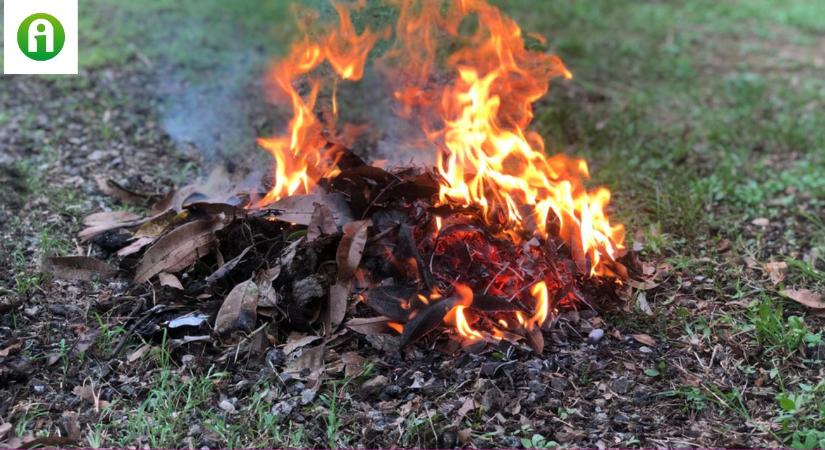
(805, 297)
(644, 306)
(761, 222)
(238, 311)
(351, 248)
(137, 354)
(83, 268)
(169, 280)
(178, 249)
(645, 339)
(776, 271)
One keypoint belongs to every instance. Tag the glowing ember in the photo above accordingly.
(476, 121)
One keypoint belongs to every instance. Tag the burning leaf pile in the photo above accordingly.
(486, 243)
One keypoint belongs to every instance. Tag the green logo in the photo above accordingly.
(41, 37)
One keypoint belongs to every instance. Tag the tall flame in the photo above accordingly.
(477, 121)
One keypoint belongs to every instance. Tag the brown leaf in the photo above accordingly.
(11, 348)
(85, 341)
(468, 405)
(644, 306)
(77, 267)
(321, 223)
(776, 271)
(351, 248)
(4, 429)
(645, 339)
(297, 340)
(761, 222)
(353, 364)
(106, 221)
(311, 358)
(299, 209)
(535, 339)
(169, 280)
(178, 249)
(338, 296)
(116, 191)
(137, 354)
(805, 297)
(369, 325)
(136, 246)
(239, 309)
(264, 279)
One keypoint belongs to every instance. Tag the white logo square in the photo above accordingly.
(40, 37)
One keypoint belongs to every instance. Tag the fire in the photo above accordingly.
(477, 122)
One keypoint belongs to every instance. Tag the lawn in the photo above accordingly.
(706, 119)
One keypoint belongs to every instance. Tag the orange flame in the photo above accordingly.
(477, 121)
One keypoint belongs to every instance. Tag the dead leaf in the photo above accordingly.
(77, 267)
(169, 280)
(136, 246)
(321, 223)
(106, 221)
(137, 354)
(388, 301)
(4, 429)
(116, 191)
(353, 364)
(12, 347)
(85, 393)
(299, 209)
(238, 311)
(723, 245)
(267, 293)
(178, 249)
(535, 339)
(351, 248)
(369, 325)
(644, 306)
(226, 267)
(468, 405)
(85, 341)
(311, 359)
(805, 297)
(645, 339)
(761, 222)
(776, 271)
(426, 320)
(296, 341)
(338, 296)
